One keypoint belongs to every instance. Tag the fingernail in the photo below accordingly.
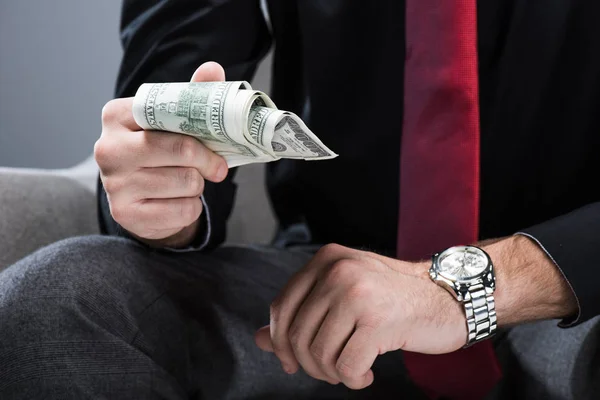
(287, 369)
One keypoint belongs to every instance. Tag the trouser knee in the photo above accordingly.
(78, 281)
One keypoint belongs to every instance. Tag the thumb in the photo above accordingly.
(209, 72)
(262, 337)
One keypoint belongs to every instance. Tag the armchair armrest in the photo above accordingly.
(39, 207)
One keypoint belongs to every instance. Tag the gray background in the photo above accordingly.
(58, 63)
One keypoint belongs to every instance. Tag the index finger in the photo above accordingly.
(357, 358)
(283, 311)
(286, 306)
(165, 149)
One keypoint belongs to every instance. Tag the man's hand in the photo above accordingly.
(346, 307)
(154, 180)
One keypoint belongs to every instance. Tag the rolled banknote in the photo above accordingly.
(240, 124)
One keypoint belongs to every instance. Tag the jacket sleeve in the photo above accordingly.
(165, 41)
(572, 241)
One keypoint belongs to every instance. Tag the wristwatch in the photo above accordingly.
(468, 274)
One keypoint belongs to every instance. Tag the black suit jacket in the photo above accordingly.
(339, 64)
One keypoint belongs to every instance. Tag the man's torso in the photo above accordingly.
(540, 114)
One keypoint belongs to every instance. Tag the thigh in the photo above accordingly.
(218, 301)
(104, 317)
(69, 314)
(542, 361)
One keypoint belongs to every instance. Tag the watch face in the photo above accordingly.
(462, 263)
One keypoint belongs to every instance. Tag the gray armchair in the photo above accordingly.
(39, 207)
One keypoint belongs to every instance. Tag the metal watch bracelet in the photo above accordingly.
(480, 310)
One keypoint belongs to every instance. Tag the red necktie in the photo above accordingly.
(439, 173)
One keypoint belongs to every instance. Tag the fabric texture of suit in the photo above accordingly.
(340, 64)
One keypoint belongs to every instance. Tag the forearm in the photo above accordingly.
(529, 285)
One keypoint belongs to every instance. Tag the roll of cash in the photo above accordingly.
(240, 124)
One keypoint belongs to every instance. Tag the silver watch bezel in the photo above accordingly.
(459, 288)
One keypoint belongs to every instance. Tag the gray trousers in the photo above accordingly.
(104, 318)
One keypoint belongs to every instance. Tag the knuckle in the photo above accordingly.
(329, 250)
(185, 148)
(102, 152)
(193, 181)
(111, 112)
(295, 336)
(341, 271)
(317, 352)
(111, 185)
(359, 291)
(189, 211)
(346, 371)
(110, 155)
(275, 309)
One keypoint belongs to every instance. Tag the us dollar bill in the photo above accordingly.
(241, 124)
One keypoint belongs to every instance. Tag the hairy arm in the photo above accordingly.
(530, 286)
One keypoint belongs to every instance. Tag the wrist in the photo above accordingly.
(529, 286)
(448, 312)
(179, 240)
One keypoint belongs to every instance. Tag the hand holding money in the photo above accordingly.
(240, 124)
(154, 180)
